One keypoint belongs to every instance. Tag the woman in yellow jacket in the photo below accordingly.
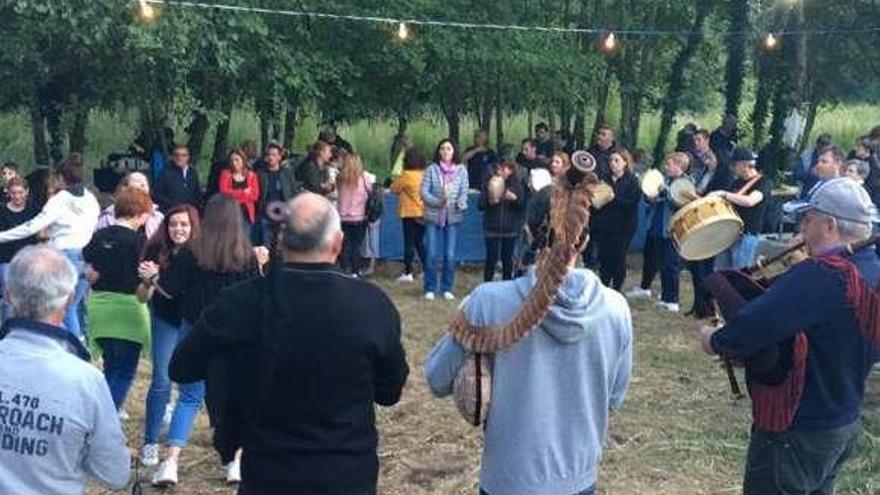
(411, 210)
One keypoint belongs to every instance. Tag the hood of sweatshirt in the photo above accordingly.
(580, 296)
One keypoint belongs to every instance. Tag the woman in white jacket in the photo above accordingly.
(69, 217)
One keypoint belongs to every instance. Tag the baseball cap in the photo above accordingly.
(743, 155)
(842, 198)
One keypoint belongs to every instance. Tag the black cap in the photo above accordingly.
(743, 155)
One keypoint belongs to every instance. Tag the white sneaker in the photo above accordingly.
(638, 292)
(429, 296)
(166, 475)
(449, 296)
(233, 472)
(405, 278)
(150, 454)
(671, 307)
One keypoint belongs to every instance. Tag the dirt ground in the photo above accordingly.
(678, 432)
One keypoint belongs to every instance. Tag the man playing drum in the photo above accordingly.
(829, 299)
(749, 204)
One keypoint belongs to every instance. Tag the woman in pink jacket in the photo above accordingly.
(354, 188)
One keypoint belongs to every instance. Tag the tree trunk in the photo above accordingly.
(812, 112)
(221, 135)
(762, 100)
(197, 130)
(38, 131)
(676, 79)
(602, 102)
(291, 122)
(265, 128)
(486, 112)
(565, 116)
(736, 56)
(453, 123)
(530, 120)
(499, 117)
(78, 131)
(53, 112)
(579, 128)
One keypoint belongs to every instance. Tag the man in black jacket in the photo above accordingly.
(178, 184)
(307, 353)
(277, 183)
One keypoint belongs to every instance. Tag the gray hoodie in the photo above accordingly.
(57, 420)
(552, 392)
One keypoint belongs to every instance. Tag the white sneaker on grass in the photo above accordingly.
(233, 472)
(166, 475)
(405, 278)
(429, 296)
(668, 306)
(638, 292)
(449, 296)
(150, 454)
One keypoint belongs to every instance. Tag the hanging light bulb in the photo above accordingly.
(146, 11)
(402, 31)
(770, 42)
(609, 44)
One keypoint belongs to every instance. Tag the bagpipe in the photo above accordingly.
(774, 376)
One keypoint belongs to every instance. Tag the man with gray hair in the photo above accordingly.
(301, 356)
(824, 311)
(57, 420)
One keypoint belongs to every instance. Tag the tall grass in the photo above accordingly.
(113, 131)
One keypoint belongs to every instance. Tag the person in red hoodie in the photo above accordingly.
(241, 183)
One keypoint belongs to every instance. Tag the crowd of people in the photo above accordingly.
(255, 282)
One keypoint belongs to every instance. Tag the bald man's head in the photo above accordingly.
(312, 227)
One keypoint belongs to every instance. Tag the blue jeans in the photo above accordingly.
(120, 364)
(589, 491)
(740, 255)
(165, 339)
(441, 250)
(5, 308)
(75, 316)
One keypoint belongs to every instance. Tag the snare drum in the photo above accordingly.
(704, 228)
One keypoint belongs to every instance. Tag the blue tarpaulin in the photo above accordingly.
(471, 244)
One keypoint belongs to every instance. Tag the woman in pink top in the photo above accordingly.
(139, 181)
(354, 190)
(240, 183)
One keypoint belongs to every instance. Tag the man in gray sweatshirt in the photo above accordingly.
(57, 420)
(552, 392)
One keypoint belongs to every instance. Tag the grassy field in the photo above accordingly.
(678, 432)
(113, 131)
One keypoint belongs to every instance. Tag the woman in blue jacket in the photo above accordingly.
(444, 192)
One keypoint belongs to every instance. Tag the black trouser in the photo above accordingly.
(798, 462)
(651, 254)
(613, 247)
(350, 260)
(699, 270)
(413, 242)
(499, 247)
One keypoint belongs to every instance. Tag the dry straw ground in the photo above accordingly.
(678, 432)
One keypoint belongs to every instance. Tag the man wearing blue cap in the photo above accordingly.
(806, 423)
(750, 205)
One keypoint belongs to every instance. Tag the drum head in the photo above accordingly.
(651, 182)
(683, 191)
(710, 241)
(602, 195)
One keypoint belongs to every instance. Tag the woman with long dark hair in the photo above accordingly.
(445, 194)
(221, 256)
(616, 223)
(239, 182)
(179, 227)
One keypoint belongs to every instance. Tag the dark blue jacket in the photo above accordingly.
(811, 298)
(172, 188)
